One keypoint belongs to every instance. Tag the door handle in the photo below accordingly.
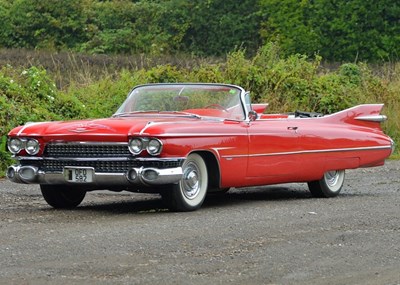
(292, 128)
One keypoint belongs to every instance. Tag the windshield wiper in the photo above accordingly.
(125, 114)
(180, 113)
(133, 113)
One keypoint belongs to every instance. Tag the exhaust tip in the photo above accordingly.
(150, 175)
(11, 173)
(132, 175)
(28, 173)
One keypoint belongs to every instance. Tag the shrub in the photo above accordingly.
(30, 95)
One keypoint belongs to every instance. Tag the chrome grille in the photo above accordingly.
(103, 157)
(108, 166)
(87, 150)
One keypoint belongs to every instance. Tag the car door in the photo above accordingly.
(273, 149)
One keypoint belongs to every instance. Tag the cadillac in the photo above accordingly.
(184, 140)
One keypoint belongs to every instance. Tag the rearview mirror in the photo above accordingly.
(253, 115)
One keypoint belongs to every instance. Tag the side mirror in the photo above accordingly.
(253, 115)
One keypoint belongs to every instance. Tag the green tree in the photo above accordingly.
(289, 22)
(44, 24)
(353, 30)
(220, 26)
(358, 29)
(135, 27)
(367, 30)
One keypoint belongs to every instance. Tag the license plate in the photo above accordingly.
(78, 174)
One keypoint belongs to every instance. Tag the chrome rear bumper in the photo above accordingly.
(134, 176)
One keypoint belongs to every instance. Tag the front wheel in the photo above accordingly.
(62, 197)
(189, 193)
(329, 185)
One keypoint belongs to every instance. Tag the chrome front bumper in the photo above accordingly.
(134, 176)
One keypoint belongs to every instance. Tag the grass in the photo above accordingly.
(68, 68)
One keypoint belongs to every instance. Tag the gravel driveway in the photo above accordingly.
(265, 235)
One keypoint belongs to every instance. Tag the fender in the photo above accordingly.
(366, 115)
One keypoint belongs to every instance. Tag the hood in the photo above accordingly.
(111, 129)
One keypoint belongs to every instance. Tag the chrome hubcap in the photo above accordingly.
(190, 181)
(332, 178)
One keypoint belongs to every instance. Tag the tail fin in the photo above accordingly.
(367, 115)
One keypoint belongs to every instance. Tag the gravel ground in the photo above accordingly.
(264, 235)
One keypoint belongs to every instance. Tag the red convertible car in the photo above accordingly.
(185, 140)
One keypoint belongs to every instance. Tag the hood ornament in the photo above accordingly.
(89, 127)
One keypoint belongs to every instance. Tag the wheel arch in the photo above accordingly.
(213, 169)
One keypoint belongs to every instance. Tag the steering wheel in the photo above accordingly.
(216, 106)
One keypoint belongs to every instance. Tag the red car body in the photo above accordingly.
(185, 153)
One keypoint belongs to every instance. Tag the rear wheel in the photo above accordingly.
(329, 185)
(62, 197)
(189, 193)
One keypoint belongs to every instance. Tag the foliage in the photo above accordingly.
(366, 30)
(103, 97)
(30, 95)
(132, 27)
(5, 159)
(356, 30)
(49, 24)
(289, 23)
(219, 26)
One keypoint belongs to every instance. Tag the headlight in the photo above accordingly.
(154, 147)
(32, 146)
(135, 146)
(15, 145)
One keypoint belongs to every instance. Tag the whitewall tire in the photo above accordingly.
(329, 185)
(190, 192)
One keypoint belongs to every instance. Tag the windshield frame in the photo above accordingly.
(241, 100)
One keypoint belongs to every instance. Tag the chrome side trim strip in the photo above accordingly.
(200, 135)
(310, 151)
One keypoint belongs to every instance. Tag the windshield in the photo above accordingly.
(215, 100)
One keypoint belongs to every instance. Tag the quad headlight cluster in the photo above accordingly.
(31, 146)
(151, 145)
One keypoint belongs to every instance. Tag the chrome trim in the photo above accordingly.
(372, 118)
(183, 135)
(86, 149)
(142, 132)
(393, 146)
(86, 142)
(310, 151)
(101, 180)
(164, 176)
(27, 179)
(88, 159)
(152, 159)
(33, 158)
